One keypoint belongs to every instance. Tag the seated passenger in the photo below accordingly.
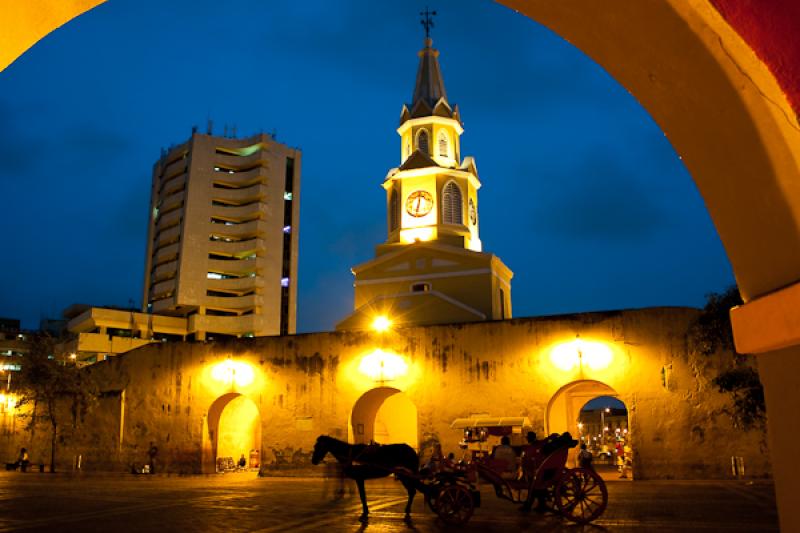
(505, 453)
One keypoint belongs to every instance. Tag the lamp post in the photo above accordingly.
(603, 423)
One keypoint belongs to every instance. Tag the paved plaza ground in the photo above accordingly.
(244, 502)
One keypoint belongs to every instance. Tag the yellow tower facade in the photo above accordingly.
(431, 269)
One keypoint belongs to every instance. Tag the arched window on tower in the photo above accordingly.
(394, 209)
(443, 144)
(452, 210)
(422, 142)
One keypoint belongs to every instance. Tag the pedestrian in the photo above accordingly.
(152, 453)
(627, 461)
(23, 460)
(584, 457)
(242, 462)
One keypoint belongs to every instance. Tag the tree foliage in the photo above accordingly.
(56, 392)
(712, 333)
(742, 383)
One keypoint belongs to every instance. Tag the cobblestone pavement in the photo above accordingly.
(243, 502)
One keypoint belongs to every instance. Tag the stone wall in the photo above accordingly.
(305, 385)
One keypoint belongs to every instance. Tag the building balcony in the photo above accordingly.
(168, 237)
(236, 249)
(173, 184)
(233, 303)
(250, 194)
(172, 202)
(166, 254)
(163, 306)
(237, 214)
(166, 221)
(240, 161)
(162, 288)
(236, 285)
(239, 267)
(239, 232)
(240, 180)
(165, 271)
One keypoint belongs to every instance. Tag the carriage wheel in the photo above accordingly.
(431, 495)
(581, 495)
(453, 504)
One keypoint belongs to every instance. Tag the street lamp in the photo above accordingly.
(603, 422)
(381, 323)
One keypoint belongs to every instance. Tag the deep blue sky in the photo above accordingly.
(583, 196)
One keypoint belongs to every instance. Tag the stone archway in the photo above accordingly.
(232, 428)
(563, 409)
(385, 415)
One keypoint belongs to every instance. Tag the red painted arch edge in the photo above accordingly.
(770, 27)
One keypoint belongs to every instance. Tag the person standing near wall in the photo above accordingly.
(152, 453)
(23, 460)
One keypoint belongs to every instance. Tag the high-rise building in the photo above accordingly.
(431, 269)
(222, 238)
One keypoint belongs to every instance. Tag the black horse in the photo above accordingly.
(371, 461)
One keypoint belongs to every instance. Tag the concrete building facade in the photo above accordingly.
(222, 238)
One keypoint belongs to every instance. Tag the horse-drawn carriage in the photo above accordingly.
(452, 490)
(577, 494)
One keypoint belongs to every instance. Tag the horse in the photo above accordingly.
(371, 461)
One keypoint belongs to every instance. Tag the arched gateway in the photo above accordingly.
(231, 429)
(385, 415)
(599, 426)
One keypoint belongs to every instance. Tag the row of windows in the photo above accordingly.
(423, 144)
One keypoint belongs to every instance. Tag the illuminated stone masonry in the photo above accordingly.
(269, 398)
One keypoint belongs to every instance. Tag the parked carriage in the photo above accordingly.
(576, 494)
(451, 490)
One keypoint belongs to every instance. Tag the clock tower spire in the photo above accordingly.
(431, 269)
(433, 195)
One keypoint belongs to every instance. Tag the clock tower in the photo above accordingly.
(432, 268)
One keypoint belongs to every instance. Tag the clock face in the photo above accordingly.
(473, 213)
(419, 203)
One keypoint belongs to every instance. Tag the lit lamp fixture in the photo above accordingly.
(383, 366)
(8, 401)
(567, 355)
(233, 373)
(381, 323)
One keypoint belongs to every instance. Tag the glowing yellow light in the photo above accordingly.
(595, 355)
(8, 400)
(565, 356)
(383, 366)
(233, 372)
(381, 323)
(410, 235)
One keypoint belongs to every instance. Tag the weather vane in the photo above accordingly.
(427, 21)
